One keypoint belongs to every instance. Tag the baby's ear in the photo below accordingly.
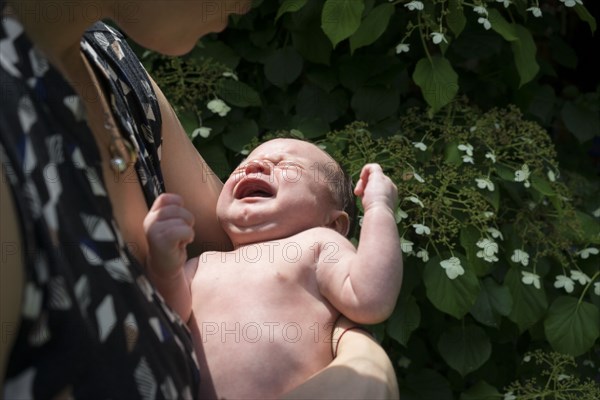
(339, 222)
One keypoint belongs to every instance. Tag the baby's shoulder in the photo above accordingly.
(320, 236)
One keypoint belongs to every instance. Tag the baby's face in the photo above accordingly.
(279, 190)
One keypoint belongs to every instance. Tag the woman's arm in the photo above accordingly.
(11, 274)
(187, 174)
(361, 370)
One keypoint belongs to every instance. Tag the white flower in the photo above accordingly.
(506, 2)
(565, 282)
(473, 128)
(522, 175)
(202, 131)
(529, 278)
(527, 358)
(597, 288)
(402, 48)
(481, 10)
(415, 200)
(562, 377)
(487, 214)
(228, 74)
(420, 145)
(520, 256)
(418, 177)
(596, 213)
(400, 215)
(489, 250)
(452, 267)
(421, 229)
(580, 277)
(414, 5)
(571, 3)
(491, 156)
(468, 159)
(551, 176)
(535, 11)
(585, 253)
(360, 221)
(510, 396)
(467, 148)
(588, 363)
(483, 183)
(406, 246)
(245, 152)
(403, 362)
(438, 37)
(485, 22)
(495, 233)
(423, 255)
(218, 106)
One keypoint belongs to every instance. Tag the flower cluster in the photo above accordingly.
(454, 177)
(433, 22)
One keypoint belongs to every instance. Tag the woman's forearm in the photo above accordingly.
(361, 370)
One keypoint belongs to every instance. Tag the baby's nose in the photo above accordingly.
(258, 167)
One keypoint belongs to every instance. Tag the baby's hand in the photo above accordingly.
(168, 228)
(375, 188)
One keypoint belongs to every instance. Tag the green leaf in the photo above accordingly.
(524, 51)
(481, 391)
(581, 121)
(238, 93)
(240, 134)
(310, 127)
(465, 348)
(437, 80)
(505, 172)
(372, 104)
(571, 326)
(493, 198)
(189, 121)
(341, 18)
(452, 296)
(314, 102)
(456, 17)
(590, 227)
(289, 6)
(214, 154)
(405, 319)
(493, 301)
(452, 155)
(372, 27)
(585, 16)
(502, 26)
(427, 384)
(542, 185)
(283, 66)
(313, 45)
(529, 303)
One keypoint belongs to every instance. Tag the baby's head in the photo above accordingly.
(285, 186)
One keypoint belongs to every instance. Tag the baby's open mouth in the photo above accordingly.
(254, 188)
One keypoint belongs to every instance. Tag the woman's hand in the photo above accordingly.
(361, 370)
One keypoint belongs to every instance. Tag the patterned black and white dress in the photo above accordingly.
(92, 326)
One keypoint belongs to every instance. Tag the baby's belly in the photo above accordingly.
(260, 347)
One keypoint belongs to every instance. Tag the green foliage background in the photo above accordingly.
(328, 71)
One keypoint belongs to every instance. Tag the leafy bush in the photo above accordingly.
(499, 237)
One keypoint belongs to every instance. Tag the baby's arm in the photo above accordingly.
(169, 228)
(364, 284)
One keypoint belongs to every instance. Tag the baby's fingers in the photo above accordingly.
(367, 171)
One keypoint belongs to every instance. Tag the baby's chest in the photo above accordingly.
(265, 269)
